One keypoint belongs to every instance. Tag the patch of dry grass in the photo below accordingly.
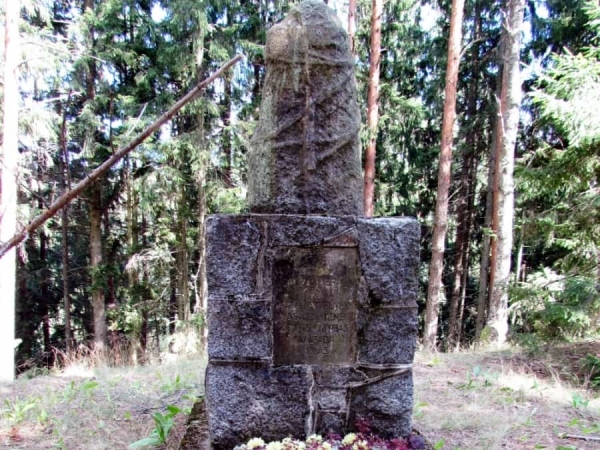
(97, 408)
(470, 400)
(483, 400)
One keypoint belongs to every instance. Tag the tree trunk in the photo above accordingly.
(352, 25)
(460, 253)
(483, 295)
(373, 106)
(227, 140)
(66, 185)
(183, 300)
(520, 246)
(98, 303)
(143, 305)
(503, 210)
(173, 296)
(464, 208)
(8, 188)
(436, 267)
(45, 291)
(200, 282)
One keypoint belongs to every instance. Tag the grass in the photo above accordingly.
(496, 400)
(471, 400)
(97, 408)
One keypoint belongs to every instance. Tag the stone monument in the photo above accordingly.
(312, 310)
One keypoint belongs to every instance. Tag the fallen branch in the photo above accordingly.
(580, 437)
(66, 198)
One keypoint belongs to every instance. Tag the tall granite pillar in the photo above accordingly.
(312, 310)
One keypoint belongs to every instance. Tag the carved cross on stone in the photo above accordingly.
(305, 156)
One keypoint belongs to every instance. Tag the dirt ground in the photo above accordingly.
(508, 399)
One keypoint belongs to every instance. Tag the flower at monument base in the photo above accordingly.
(325, 446)
(275, 445)
(349, 439)
(255, 443)
(314, 439)
(361, 445)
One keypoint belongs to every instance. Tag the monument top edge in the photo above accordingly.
(391, 219)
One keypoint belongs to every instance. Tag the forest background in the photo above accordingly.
(122, 267)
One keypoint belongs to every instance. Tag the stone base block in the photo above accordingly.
(246, 401)
(312, 324)
(386, 405)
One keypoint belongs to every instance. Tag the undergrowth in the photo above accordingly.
(90, 406)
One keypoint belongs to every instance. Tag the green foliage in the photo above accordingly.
(558, 184)
(577, 401)
(591, 363)
(16, 411)
(162, 427)
(555, 307)
(478, 378)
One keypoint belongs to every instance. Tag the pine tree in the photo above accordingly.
(441, 209)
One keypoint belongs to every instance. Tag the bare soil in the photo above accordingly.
(510, 399)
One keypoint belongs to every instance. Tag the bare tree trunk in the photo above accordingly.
(173, 303)
(200, 281)
(201, 277)
(184, 292)
(461, 248)
(183, 304)
(464, 208)
(98, 302)
(373, 106)
(95, 213)
(143, 305)
(503, 211)
(352, 25)
(45, 291)
(66, 185)
(441, 205)
(8, 188)
(519, 257)
(227, 140)
(483, 295)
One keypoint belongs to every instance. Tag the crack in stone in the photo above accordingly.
(312, 418)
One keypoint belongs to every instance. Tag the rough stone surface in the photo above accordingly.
(387, 404)
(337, 376)
(388, 336)
(246, 401)
(389, 252)
(239, 329)
(332, 400)
(253, 295)
(328, 422)
(305, 155)
(300, 230)
(232, 255)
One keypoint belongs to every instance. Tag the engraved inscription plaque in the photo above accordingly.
(315, 296)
